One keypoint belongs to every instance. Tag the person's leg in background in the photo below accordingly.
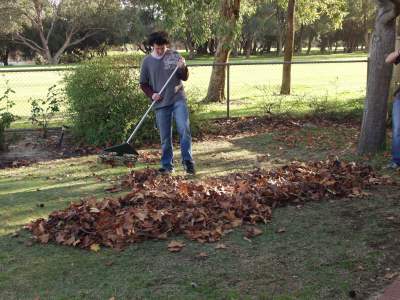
(396, 131)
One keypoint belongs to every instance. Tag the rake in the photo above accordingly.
(126, 149)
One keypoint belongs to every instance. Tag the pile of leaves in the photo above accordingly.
(158, 206)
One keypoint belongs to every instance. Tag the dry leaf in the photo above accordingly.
(175, 246)
(202, 255)
(390, 276)
(95, 247)
(253, 231)
(220, 246)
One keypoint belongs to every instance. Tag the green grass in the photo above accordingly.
(328, 248)
(251, 86)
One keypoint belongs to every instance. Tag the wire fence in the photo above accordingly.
(250, 88)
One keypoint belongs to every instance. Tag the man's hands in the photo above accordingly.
(391, 58)
(181, 62)
(156, 97)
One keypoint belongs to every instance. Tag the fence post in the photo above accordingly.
(228, 88)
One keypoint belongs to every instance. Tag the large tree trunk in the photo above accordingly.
(287, 67)
(4, 57)
(310, 40)
(229, 11)
(249, 46)
(299, 40)
(373, 130)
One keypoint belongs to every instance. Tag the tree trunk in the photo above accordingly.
(229, 12)
(216, 87)
(211, 46)
(373, 129)
(310, 40)
(299, 41)
(4, 58)
(287, 67)
(249, 46)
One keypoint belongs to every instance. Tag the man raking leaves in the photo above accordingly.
(171, 104)
(163, 71)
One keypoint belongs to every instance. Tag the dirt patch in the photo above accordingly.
(27, 147)
(256, 125)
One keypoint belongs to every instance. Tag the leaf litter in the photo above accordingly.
(157, 206)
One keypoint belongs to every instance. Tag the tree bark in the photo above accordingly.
(373, 129)
(310, 40)
(229, 11)
(299, 41)
(249, 46)
(287, 67)
(4, 57)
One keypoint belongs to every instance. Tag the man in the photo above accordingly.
(394, 58)
(155, 71)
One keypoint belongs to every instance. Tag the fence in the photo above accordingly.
(250, 87)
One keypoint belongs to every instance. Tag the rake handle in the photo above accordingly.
(150, 107)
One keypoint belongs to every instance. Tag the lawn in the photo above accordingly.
(252, 86)
(320, 250)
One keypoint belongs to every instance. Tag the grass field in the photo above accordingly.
(327, 249)
(252, 87)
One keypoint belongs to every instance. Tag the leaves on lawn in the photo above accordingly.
(159, 206)
(175, 246)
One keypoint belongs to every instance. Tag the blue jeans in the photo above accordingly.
(164, 116)
(396, 130)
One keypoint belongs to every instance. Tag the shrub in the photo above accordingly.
(105, 102)
(43, 110)
(6, 117)
(196, 107)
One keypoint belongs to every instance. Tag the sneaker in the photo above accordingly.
(189, 167)
(165, 171)
(392, 166)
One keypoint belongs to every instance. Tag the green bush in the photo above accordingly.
(6, 117)
(43, 110)
(105, 101)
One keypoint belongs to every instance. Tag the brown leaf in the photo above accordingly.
(220, 246)
(113, 189)
(390, 276)
(95, 247)
(175, 246)
(44, 238)
(281, 230)
(202, 255)
(253, 231)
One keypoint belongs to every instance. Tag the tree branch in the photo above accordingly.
(87, 35)
(28, 42)
(53, 21)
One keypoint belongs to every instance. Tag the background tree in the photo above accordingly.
(38, 20)
(286, 75)
(190, 21)
(229, 14)
(373, 130)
